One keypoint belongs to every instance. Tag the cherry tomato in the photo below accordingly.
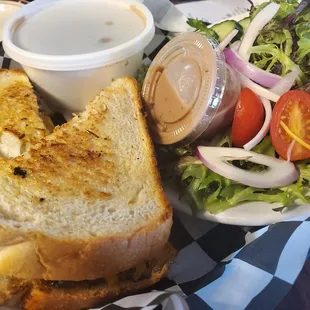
(293, 109)
(248, 119)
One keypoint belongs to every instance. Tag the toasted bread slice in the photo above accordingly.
(88, 294)
(76, 295)
(12, 290)
(21, 124)
(85, 202)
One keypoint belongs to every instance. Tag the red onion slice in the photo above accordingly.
(286, 83)
(228, 39)
(265, 128)
(235, 46)
(257, 89)
(259, 22)
(249, 70)
(279, 173)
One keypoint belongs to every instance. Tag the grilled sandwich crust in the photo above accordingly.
(12, 290)
(20, 113)
(87, 164)
(44, 297)
(77, 295)
(21, 119)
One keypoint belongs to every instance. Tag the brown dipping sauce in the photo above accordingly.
(189, 90)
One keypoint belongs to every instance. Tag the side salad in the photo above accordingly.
(265, 155)
(276, 45)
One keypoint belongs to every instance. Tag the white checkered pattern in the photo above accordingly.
(257, 277)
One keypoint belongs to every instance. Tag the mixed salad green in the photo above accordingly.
(207, 190)
(285, 41)
(281, 46)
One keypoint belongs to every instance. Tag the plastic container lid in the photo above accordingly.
(183, 88)
(79, 61)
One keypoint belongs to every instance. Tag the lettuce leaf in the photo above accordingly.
(301, 29)
(284, 42)
(269, 56)
(303, 32)
(202, 28)
(206, 190)
(287, 7)
(304, 14)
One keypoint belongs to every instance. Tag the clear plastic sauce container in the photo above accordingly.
(189, 91)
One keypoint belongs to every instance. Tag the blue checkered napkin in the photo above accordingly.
(150, 301)
(261, 274)
(257, 276)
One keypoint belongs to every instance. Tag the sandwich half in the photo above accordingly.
(22, 124)
(85, 203)
(77, 295)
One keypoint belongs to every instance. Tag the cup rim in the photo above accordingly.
(80, 61)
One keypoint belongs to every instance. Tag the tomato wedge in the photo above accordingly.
(248, 118)
(291, 121)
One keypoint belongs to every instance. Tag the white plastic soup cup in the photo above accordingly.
(71, 80)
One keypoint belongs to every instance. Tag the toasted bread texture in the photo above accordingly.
(12, 290)
(43, 296)
(86, 201)
(77, 295)
(21, 124)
